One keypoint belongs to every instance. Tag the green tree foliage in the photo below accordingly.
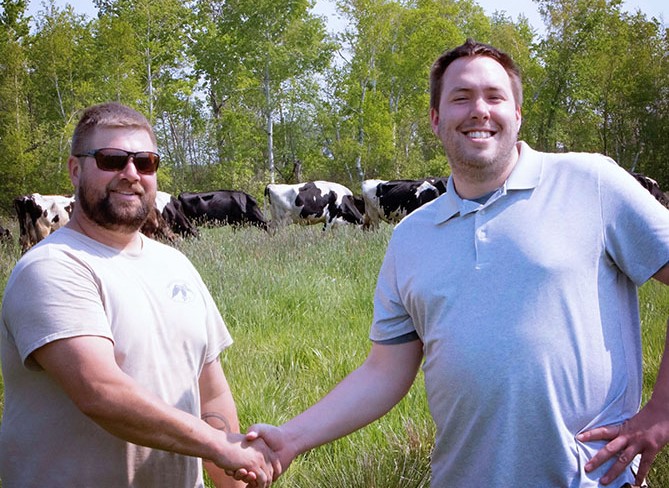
(16, 161)
(385, 86)
(59, 82)
(257, 58)
(571, 54)
(603, 86)
(242, 92)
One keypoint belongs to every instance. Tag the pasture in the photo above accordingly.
(299, 305)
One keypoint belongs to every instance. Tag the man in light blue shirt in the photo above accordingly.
(517, 290)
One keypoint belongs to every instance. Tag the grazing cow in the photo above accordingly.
(312, 203)
(171, 211)
(39, 215)
(393, 200)
(222, 207)
(156, 227)
(652, 186)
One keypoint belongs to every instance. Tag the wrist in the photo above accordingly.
(295, 441)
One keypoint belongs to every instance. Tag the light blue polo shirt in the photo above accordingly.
(528, 313)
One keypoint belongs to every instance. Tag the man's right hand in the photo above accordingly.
(274, 438)
(251, 460)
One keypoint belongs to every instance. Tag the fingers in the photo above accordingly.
(644, 469)
(249, 461)
(624, 458)
(605, 433)
(252, 435)
(616, 448)
(622, 448)
(270, 463)
(274, 439)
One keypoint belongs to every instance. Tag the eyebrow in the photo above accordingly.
(467, 89)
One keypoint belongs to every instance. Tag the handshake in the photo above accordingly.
(260, 456)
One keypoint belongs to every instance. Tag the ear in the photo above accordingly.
(519, 118)
(434, 121)
(74, 169)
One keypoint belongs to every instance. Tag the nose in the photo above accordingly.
(129, 172)
(480, 109)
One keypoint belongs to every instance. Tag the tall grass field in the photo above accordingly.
(299, 305)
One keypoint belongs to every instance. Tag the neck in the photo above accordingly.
(471, 190)
(123, 241)
(474, 184)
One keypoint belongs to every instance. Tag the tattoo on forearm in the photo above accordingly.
(217, 421)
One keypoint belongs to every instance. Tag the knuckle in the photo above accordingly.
(610, 449)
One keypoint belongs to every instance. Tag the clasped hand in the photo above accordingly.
(254, 461)
(274, 439)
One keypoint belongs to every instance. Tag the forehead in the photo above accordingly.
(128, 138)
(482, 72)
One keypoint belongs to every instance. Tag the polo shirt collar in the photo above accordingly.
(525, 176)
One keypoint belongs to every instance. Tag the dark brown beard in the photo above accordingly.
(111, 217)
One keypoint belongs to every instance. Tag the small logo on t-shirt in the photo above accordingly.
(180, 292)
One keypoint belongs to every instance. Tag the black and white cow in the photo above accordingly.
(312, 203)
(172, 213)
(220, 207)
(653, 188)
(40, 215)
(391, 201)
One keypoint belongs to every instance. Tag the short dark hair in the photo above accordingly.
(108, 114)
(473, 48)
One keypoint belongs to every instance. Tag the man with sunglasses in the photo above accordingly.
(110, 341)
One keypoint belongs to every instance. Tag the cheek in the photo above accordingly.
(150, 183)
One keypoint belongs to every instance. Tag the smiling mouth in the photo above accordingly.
(479, 134)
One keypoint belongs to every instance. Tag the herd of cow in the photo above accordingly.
(304, 203)
(307, 203)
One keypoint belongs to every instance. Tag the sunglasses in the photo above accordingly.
(111, 159)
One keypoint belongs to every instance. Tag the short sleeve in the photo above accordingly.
(48, 299)
(636, 225)
(391, 318)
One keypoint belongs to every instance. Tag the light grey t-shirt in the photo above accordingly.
(528, 313)
(164, 325)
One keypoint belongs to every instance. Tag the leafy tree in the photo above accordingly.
(249, 52)
(57, 88)
(16, 161)
(241, 92)
(385, 89)
(632, 88)
(570, 52)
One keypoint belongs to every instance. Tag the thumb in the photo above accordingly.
(269, 433)
(255, 431)
(251, 435)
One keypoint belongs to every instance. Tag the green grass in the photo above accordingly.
(299, 305)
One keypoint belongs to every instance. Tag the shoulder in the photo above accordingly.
(582, 169)
(152, 247)
(581, 162)
(155, 254)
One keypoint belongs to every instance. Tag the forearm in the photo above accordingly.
(362, 397)
(660, 393)
(220, 412)
(85, 369)
(136, 415)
